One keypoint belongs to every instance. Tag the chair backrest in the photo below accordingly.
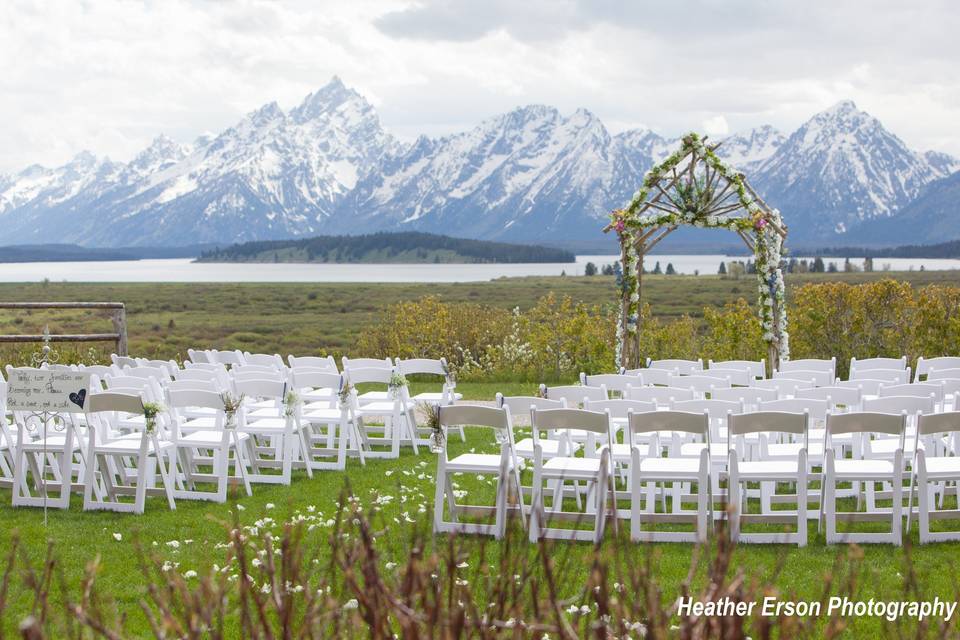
(230, 358)
(810, 364)
(837, 395)
(263, 388)
(819, 378)
(551, 419)
(198, 356)
(303, 379)
(926, 365)
(200, 385)
(122, 361)
(889, 376)
(264, 360)
(784, 386)
(920, 389)
(898, 404)
(684, 421)
(128, 382)
(942, 374)
(168, 366)
(519, 406)
(147, 372)
(107, 401)
(366, 363)
(182, 398)
(660, 395)
(817, 409)
(359, 375)
(196, 374)
(756, 368)
(575, 394)
(429, 366)
(930, 423)
(866, 422)
(878, 363)
(866, 387)
(739, 424)
(751, 396)
(314, 362)
(742, 377)
(612, 381)
(652, 376)
(100, 370)
(700, 383)
(714, 408)
(619, 408)
(474, 415)
(682, 366)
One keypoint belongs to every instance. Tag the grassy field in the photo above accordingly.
(306, 319)
(167, 319)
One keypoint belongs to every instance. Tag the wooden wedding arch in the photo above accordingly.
(695, 187)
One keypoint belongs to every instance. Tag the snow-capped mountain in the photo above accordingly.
(525, 173)
(328, 166)
(272, 175)
(841, 169)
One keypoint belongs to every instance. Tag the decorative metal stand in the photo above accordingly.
(45, 357)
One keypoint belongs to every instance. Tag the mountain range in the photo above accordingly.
(328, 166)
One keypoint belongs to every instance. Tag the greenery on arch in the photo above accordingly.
(693, 186)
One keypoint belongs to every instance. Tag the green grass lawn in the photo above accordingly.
(197, 527)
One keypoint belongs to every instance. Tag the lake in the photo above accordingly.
(183, 270)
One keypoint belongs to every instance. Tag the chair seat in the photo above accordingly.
(550, 448)
(195, 424)
(693, 449)
(373, 396)
(51, 443)
(209, 438)
(621, 452)
(889, 446)
(476, 462)
(263, 412)
(435, 396)
(323, 416)
(861, 469)
(266, 426)
(768, 470)
(792, 450)
(667, 467)
(571, 468)
(943, 465)
(379, 408)
(127, 446)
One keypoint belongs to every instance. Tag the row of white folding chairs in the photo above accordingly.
(649, 468)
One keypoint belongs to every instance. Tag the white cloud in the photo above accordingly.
(716, 126)
(109, 75)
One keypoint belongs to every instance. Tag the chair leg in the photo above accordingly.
(923, 503)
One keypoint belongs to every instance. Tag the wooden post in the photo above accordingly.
(641, 253)
(119, 319)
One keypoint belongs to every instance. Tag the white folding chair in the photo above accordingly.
(554, 443)
(434, 368)
(701, 385)
(596, 472)
(340, 435)
(227, 358)
(785, 387)
(768, 473)
(502, 466)
(205, 454)
(866, 387)
(859, 469)
(197, 356)
(313, 362)
(917, 390)
(394, 414)
(648, 471)
(739, 377)
(616, 384)
(840, 398)
(279, 439)
(265, 360)
(118, 467)
(890, 364)
(934, 469)
(926, 365)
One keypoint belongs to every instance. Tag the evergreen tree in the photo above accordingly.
(656, 268)
(590, 269)
(723, 269)
(817, 265)
(832, 268)
(670, 270)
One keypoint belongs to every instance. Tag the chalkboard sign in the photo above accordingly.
(50, 390)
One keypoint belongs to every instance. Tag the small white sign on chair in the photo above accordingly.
(48, 390)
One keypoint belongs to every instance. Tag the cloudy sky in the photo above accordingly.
(109, 75)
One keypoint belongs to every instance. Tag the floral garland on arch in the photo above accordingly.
(697, 207)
